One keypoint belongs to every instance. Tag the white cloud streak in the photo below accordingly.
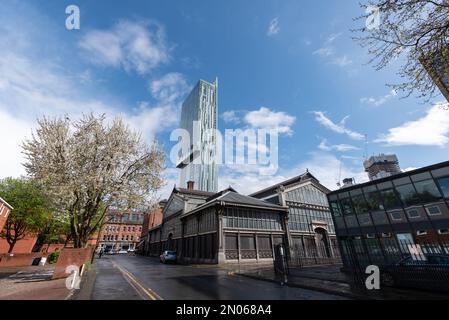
(376, 102)
(340, 128)
(337, 147)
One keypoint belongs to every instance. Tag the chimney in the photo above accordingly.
(190, 185)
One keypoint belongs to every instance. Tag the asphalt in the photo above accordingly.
(130, 277)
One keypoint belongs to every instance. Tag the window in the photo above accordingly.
(364, 220)
(360, 205)
(433, 211)
(132, 238)
(408, 195)
(427, 190)
(335, 207)
(396, 215)
(373, 199)
(127, 237)
(104, 237)
(231, 241)
(247, 242)
(346, 206)
(444, 185)
(413, 214)
(391, 200)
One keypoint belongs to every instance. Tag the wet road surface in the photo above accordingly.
(130, 277)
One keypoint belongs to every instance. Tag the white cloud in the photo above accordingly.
(31, 88)
(329, 53)
(324, 166)
(135, 46)
(342, 61)
(321, 118)
(170, 88)
(430, 130)
(12, 158)
(379, 100)
(274, 27)
(332, 37)
(264, 118)
(325, 52)
(170, 177)
(230, 117)
(337, 147)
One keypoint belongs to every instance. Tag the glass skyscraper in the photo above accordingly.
(199, 118)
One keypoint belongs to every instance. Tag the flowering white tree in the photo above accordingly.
(88, 166)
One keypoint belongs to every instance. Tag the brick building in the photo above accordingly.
(121, 230)
(151, 220)
(5, 209)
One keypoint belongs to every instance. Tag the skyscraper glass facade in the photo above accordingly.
(199, 118)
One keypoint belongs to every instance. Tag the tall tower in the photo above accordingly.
(382, 166)
(199, 117)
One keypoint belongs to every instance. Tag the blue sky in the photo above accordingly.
(287, 64)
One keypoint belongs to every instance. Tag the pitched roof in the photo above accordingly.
(237, 198)
(183, 191)
(6, 203)
(303, 177)
(230, 196)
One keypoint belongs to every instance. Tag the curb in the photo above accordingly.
(86, 285)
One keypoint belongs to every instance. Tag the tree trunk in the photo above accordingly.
(11, 246)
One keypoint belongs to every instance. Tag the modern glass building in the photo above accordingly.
(386, 219)
(199, 118)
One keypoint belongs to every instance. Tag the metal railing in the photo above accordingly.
(423, 265)
(312, 254)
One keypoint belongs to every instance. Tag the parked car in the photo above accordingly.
(131, 250)
(111, 252)
(168, 256)
(431, 273)
(122, 251)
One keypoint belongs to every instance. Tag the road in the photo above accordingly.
(130, 277)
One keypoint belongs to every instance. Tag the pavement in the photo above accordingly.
(31, 283)
(330, 279)
(132, 277)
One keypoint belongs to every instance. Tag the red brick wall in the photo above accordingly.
(151, 220)
(71, 256)
(19, 260)
(22, 246)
